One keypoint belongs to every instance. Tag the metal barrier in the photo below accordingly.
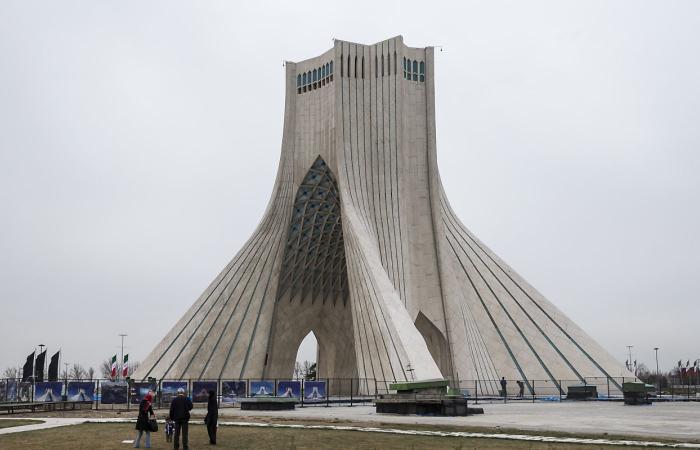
(120, 395)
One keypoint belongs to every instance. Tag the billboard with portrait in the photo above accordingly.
(139, 391)
(233, 391)
(289, 389)
(314, 390)
(169, 390)
(262, 387)
(113, 392)
(48, 391)
(81, 391)
(200, 390)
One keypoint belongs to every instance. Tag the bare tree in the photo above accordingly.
(133, 366)
(12, 373)
(77, 372)
(308, 370)
(90, 373)
(106, 368)
(642, 371)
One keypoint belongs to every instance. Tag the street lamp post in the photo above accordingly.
(66, 372)
(658, 378)
(41, 349)
(629, 349)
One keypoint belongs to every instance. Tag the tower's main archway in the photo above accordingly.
(313, 287)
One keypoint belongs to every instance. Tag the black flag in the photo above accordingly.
(53, 367)
(28, 368)
(40, 364)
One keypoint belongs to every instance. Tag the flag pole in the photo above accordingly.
(121, 367)
(34, 366)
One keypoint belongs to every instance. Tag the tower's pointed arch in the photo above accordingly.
(313, 292)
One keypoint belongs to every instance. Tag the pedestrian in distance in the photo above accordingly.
(521, 389)
(212, 417)
(180, 409)
(503, 386)
(143, 422)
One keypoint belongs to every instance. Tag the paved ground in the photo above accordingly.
(668, 420)
(678, 421)
(506, 438)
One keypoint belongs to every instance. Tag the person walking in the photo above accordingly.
(503, 387)
(142, 423)
(212, 417)
(521, 388)
(180, 409)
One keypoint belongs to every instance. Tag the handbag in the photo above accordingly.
(153, 425)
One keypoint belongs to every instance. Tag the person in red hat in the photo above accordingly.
(143, 423)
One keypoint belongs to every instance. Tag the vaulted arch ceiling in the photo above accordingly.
(314, 258)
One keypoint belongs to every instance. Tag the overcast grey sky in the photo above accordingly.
(139, 142)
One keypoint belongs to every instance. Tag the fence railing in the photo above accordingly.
(101, 393)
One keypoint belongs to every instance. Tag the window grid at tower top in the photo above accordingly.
(414, 70)
(315, 78)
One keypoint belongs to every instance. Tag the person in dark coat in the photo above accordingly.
(212, 417)
(142, 423)
(180, 409)
(503, 387)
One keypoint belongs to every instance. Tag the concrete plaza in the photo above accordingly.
(672, 420)
(593, 423)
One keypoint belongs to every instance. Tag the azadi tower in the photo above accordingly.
(359, 245)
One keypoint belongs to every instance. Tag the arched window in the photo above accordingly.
(298, 80)
(304, 78)
(314, 75)
(404, 67)
(408, 69)
(331, 67)
(323, 71)
(422, 71)
(415, 70)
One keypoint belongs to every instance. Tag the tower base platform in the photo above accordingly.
(429, 397)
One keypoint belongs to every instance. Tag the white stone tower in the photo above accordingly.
(359, 245)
